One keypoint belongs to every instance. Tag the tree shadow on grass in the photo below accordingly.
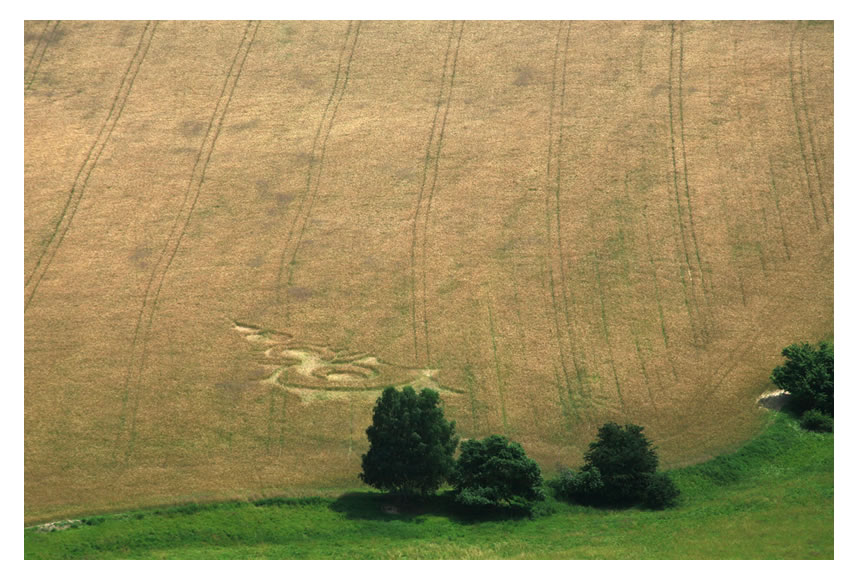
(386, 507)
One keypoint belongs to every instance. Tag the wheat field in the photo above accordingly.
(237, 233)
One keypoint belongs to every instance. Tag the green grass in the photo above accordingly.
(773, 498)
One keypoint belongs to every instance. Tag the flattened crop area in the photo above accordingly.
(237, 233)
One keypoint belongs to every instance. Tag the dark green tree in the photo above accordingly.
(625, 461)
(495, 472)
(808, 376)
(411, 443)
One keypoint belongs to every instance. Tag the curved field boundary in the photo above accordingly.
(446, 87)
(687, 229)
(31, 69)
(131, 389)
(76, 193)
(317, 158)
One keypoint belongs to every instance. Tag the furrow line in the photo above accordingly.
(439, 142)
(797, 124)
(606, 335)
(312, 160)
(76, 193)
(644, 371)
(138, 358)
(553, 312)
(418, 203)
(694, 322)
(36, 49)
(41, 45)
(684, 160)
(499, 380)
(775, 195)
(658, 296)
(809, 128)
(315, 193)
(563, 276)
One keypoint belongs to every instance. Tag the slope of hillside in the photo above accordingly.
(772, 499)
(237, 233)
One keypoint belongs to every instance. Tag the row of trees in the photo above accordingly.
(412, 449)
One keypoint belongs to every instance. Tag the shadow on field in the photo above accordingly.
(385, 507)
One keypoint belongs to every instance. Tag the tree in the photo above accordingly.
(411, 444)
(496, 472)
(808, 376)
(620, 470)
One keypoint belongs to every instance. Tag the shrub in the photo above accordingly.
(620, 470)
(411, 444)
(814, 420)
(583, 486)
(496, 472)
(661, 492)
(625, 461)
(808, 376)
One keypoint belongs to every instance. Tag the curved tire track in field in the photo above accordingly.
(750, 338)
(31, 70)
(794, 79)
(76, 193)
(445, 79)
(131, 388)
(804, 68)
(804, 125)
(606, 338)
(686, 227)
(775, 194)
(684, 161)
(499, 380)
(315, 167)
(555, 250)
(658, 296)
(36, 49)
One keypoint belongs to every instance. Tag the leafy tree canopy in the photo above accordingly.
(625, 461)
(496, 472)
(808, 376)
(411, 443)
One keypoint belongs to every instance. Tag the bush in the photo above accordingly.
(661, 492)
(808, 376)
(625, 461)
(496, 472)
(583, 486)
(411, 444)
(814, 420)
(620, 470)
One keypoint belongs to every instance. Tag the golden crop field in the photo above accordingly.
(237, 233)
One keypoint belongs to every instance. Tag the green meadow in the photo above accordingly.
(770, 499)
